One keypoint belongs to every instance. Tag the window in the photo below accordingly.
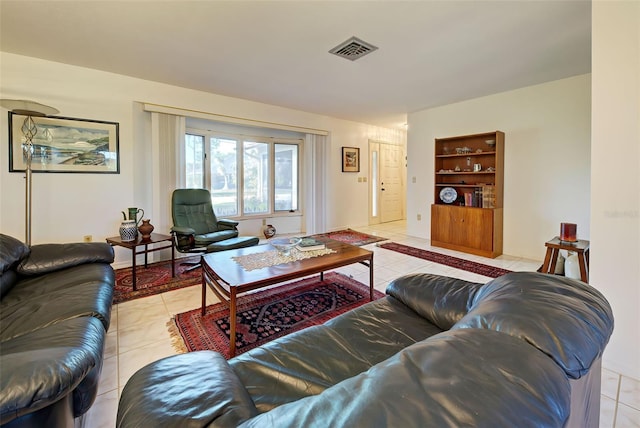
(246, 176)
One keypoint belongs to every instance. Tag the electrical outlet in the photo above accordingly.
(419, 217)
(413, 179)
(87, 238)
(264, 221)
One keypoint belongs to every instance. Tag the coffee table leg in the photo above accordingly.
(371, 279)
(232, 321)
(133, 267)
(173, 259)
(204, 293)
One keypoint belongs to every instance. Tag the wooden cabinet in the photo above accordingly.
(467, 211)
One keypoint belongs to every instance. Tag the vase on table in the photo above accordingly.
(269, 231)
(128, 230)
(146, 228)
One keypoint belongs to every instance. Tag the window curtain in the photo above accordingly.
(167, 143)
(315, 185)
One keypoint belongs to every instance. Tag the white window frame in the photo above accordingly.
(240, 139)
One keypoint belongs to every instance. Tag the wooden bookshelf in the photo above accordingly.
(467, 211)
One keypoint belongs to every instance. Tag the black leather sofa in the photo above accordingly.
(54, 315)
(522, 350)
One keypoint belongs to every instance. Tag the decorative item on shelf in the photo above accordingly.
(477, 167)
(269, 231)
(490, 143)
(146, 228)
(128, 230)
(448, 195)
(568, 232)
(457, 168)
(133, 214)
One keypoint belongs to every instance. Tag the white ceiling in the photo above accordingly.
(430, 53)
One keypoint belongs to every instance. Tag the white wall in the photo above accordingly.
(68, 206)
(547, 159)
(615, 175)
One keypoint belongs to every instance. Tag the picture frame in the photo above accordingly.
(66, 145)
(350, 159)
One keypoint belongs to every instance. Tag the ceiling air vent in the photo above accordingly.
(353, 49)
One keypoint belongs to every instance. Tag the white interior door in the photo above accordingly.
(391, 183)
(387, 173)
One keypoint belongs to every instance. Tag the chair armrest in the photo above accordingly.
(224, 223)
(183, 230)
(46, 258)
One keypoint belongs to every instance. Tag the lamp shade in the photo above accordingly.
(28, 108)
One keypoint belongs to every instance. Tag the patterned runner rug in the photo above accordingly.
(479, 268)
(265, 315)
(155, 279)
(351, 237)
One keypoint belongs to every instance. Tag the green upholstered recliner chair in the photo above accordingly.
(196, 229)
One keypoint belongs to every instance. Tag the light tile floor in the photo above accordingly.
(139, 335)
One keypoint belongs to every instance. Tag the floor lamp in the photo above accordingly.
(30, 109)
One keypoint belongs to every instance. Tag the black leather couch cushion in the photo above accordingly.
(440, 299)
(79, 291)
(46, 258)
(11, 252)
(309, 361)
(546, 314)
(440, 382)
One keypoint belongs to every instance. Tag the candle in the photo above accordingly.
(568, 232)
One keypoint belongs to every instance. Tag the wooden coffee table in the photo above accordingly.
(227, 278)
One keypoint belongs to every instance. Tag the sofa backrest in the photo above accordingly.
(566, 319)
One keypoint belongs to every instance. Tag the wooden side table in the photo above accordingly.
(132, 245)
(553, 249)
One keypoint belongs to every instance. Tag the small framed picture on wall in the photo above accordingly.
(350, 159)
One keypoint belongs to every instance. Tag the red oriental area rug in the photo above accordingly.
(479, 268)
(352, 237)
(154, 279)
(265, 315)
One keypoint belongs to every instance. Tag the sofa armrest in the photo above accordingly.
(224, 224)
(40, 368)
(46, 258)
(440, 299)
(194, 389)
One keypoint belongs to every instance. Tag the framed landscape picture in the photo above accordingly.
(350, 159)
(64, 144)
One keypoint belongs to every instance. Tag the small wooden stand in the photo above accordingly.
(553, 249)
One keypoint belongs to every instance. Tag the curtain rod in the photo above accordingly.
(157, 108)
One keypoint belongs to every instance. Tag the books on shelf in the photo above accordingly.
(481, 197)
(310, 244)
